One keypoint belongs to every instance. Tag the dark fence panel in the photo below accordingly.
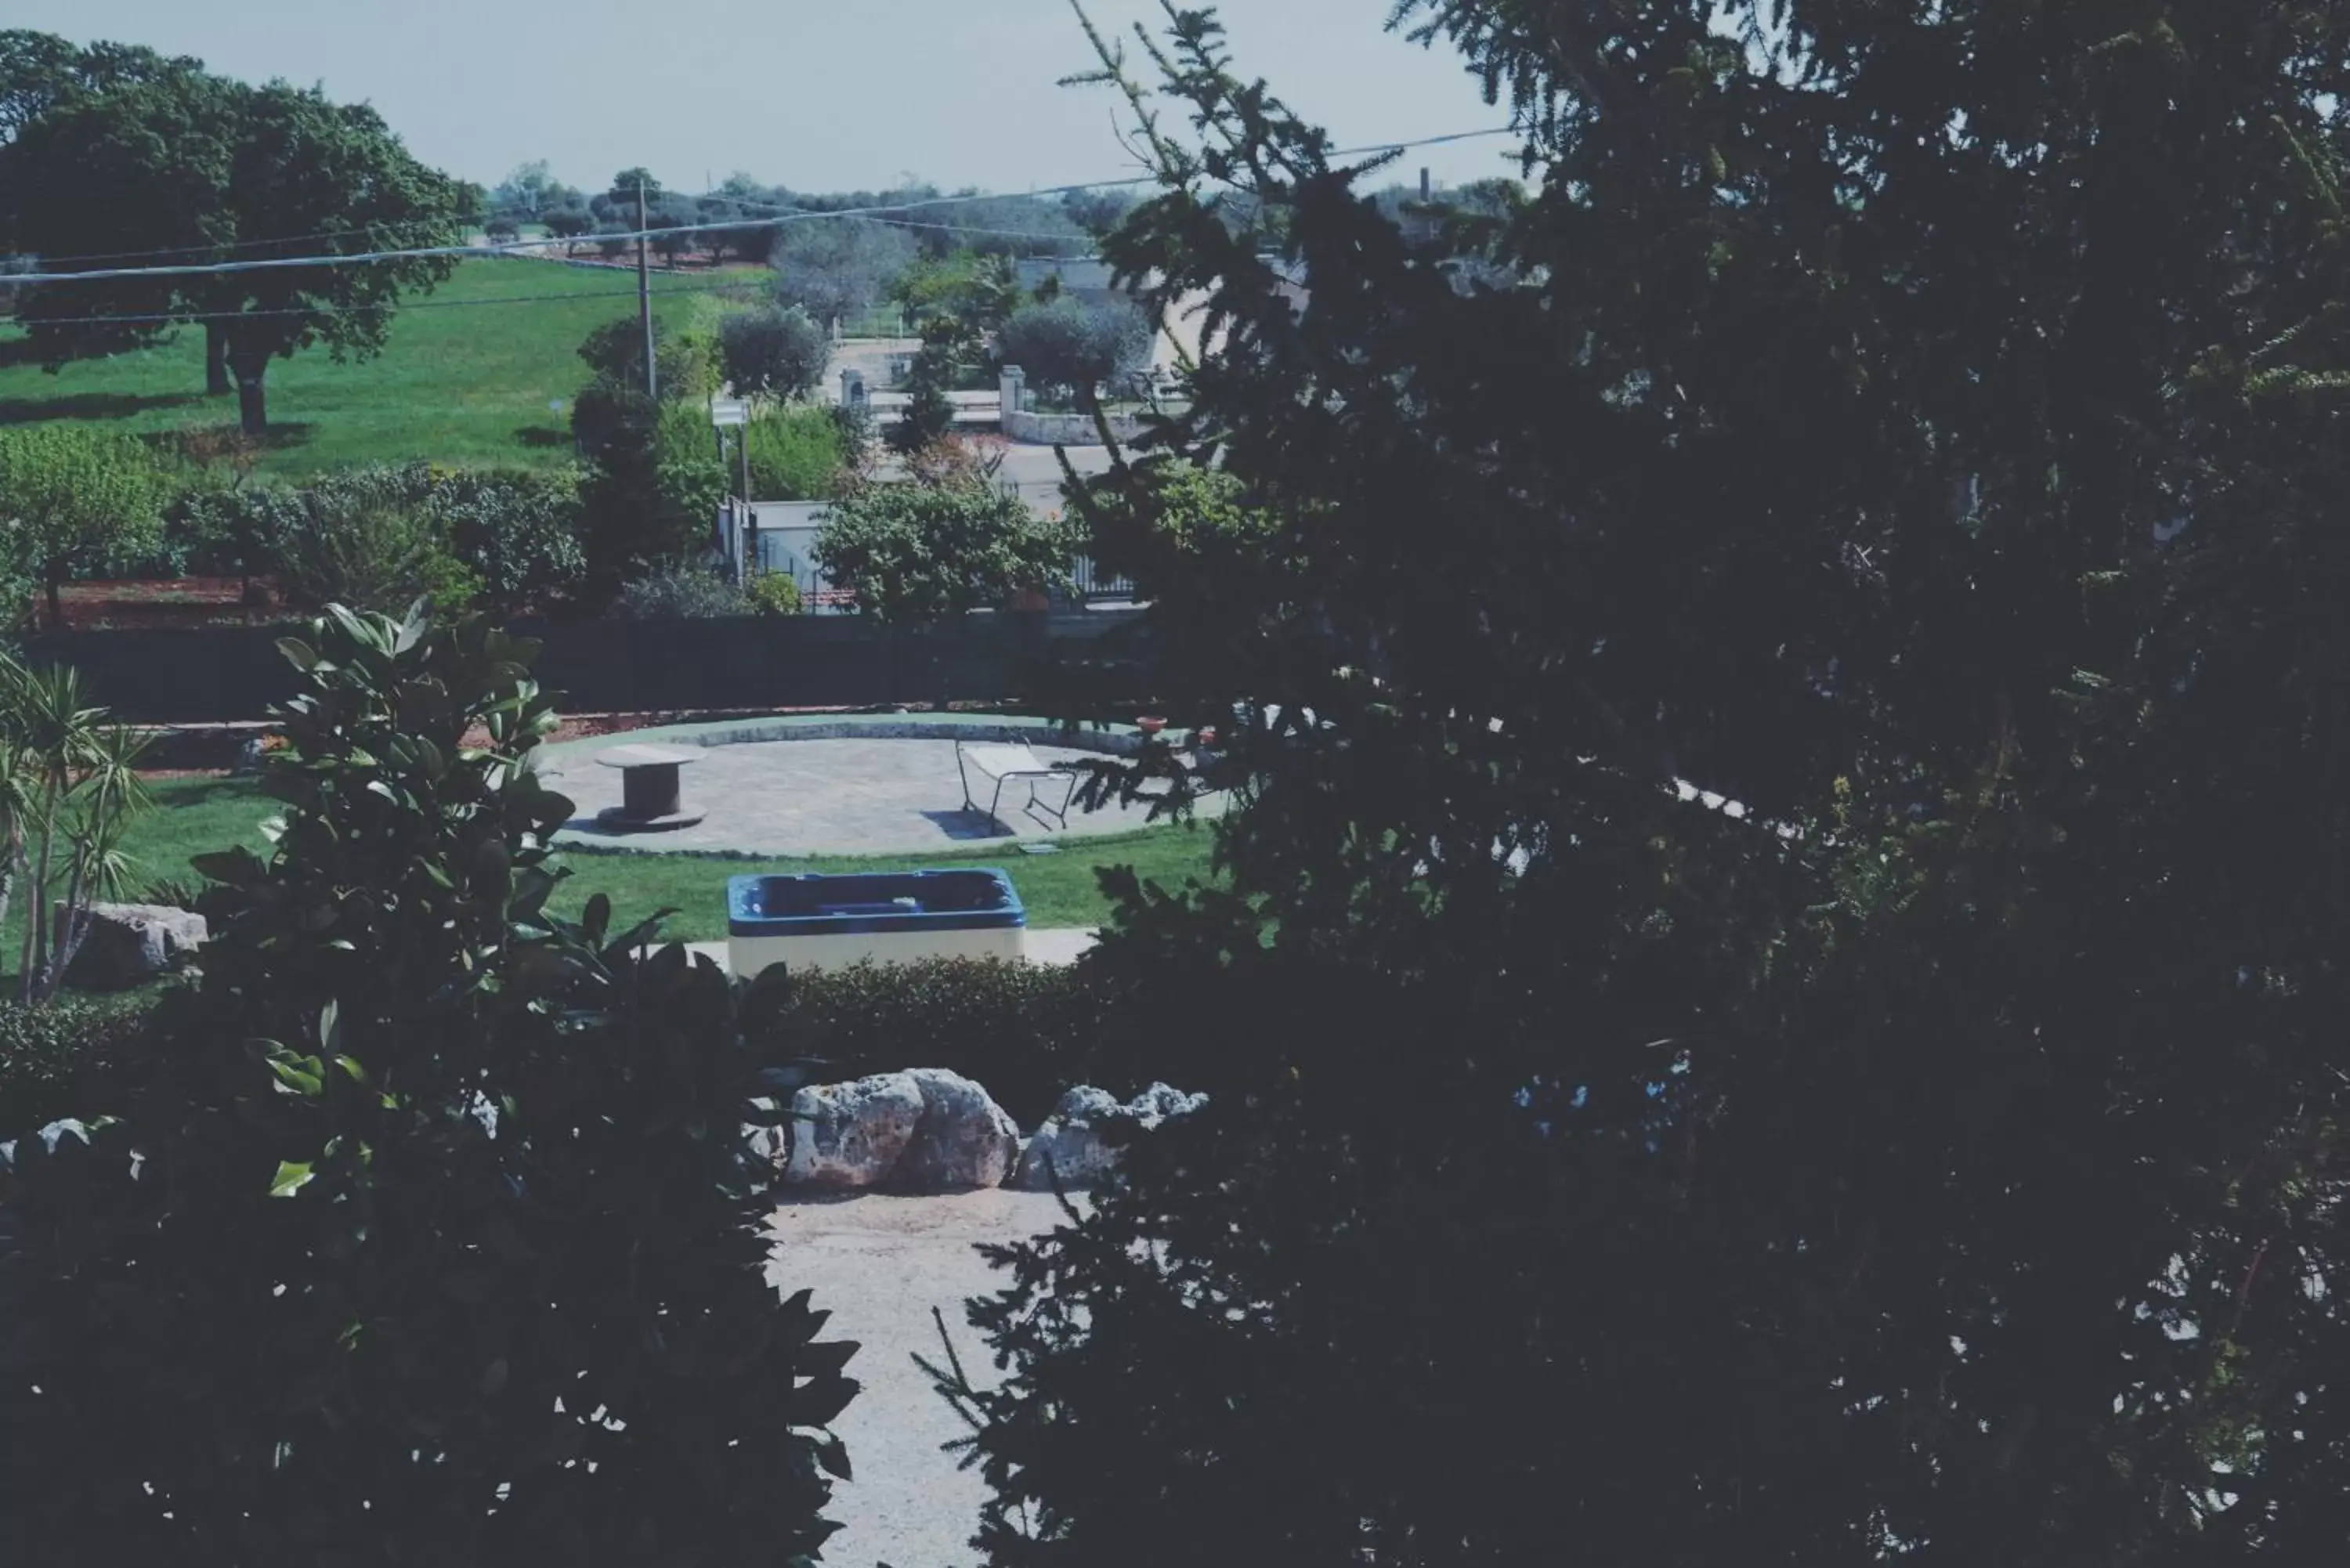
(235, 673)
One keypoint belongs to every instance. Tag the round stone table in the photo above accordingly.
(651, 795)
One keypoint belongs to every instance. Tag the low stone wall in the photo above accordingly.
(1121, 742)
(1065, 429)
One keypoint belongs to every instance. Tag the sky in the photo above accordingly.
(817, 95)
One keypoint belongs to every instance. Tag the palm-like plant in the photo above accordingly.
(69, 787)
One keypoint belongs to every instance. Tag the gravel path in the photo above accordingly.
(880, 1263)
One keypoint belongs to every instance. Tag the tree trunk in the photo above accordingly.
(217, 381)
(252, 407)
(57, 604)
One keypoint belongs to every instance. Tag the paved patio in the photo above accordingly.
(871, 796)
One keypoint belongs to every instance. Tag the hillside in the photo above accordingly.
(459, 382)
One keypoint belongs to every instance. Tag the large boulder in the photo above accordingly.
(964, 1141)
(128, 943)
(852, 1136)
(1072, 1144)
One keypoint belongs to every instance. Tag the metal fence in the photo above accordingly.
(1092, 585)
(235, 673)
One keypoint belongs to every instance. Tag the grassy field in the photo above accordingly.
(459, 382)
(195, 817)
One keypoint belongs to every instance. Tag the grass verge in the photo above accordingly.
(198, 816)
(460, 381)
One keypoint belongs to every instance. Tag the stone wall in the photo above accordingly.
(1065, 429)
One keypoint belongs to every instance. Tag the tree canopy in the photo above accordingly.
(838, 267)
(188, 168)
(769, 350)
(1073, 346)
(1779, 997)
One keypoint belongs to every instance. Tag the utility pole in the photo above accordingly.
(645, 292)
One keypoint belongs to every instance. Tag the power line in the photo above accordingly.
(428, 253)
(410, 305)
(249, 244)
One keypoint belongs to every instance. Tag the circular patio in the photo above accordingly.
(792, 788)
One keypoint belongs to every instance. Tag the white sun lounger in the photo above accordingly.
(1007, 761)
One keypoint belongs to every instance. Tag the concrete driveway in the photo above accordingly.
(880, 1263)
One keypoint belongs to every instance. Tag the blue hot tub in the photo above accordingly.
(817, 921)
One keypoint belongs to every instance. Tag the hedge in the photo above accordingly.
(1024, 1031)
(66, 1057)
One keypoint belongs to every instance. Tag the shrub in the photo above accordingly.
(797, 455)
(782, 353)
(652, 494)
(72, 499)
(774, 592)
(1069, 347)
(433, 1234)
(1026, 1032)
(68, 1057)
(685, 353)
(681, 592)
(380, 555)
(919, 555)
(856, 428)
(517, 531)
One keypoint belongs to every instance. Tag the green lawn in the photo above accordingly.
(194, 816)
(459, 382)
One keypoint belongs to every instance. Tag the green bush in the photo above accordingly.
(924, 554)
(375, 554)
(517, 531)
(797, 455)
(65, 1057)
(432, 1235)
(681, 592)
(685, 353)
(774, 592)
(1026, 1032)
(652, 492)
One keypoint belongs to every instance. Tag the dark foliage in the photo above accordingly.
(64, 1055)
(928, 417)
(1920, 425)
(432, 1235)
(650, 498)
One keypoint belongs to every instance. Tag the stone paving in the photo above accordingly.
(832, 798)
